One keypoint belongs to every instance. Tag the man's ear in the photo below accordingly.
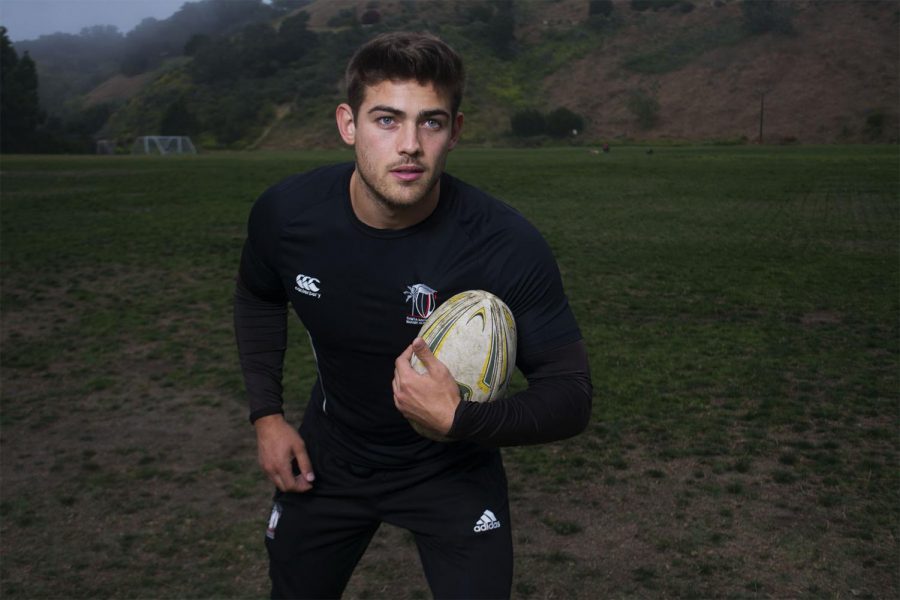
(457, 130)
(345, 123)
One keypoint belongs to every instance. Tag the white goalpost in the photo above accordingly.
(163, 145)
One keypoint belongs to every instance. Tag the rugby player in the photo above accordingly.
(363, 252)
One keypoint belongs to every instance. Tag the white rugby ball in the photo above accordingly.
(474, 335)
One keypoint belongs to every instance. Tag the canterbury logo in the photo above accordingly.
(308, 285)
(487, 522)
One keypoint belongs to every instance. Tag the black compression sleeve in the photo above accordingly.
(556, 405)
(260, 327)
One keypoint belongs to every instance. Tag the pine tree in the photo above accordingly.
(20, 111)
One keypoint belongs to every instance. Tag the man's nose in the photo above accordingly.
(409, 139)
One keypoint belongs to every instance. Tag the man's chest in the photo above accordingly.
(372, 295)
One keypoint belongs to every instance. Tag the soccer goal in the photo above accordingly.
(163, 145)
(106, 147)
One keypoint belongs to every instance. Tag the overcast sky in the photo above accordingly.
(29, 19)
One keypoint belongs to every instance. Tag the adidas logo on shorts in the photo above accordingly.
(487, 522)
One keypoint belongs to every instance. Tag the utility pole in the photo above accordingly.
(762, 110)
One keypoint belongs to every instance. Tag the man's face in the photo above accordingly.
(402, 134)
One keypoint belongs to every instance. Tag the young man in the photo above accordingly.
(355, 249)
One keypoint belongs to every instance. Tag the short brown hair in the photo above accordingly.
(405, 56)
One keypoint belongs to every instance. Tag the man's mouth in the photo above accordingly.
(407, 172)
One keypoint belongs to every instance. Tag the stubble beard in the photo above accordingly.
(381, 194)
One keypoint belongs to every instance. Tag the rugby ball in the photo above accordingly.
(474, 335)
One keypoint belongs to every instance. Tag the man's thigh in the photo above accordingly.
(461, 522)
(468, 567)
(315, 544)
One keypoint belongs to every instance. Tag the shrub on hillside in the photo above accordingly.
(178, 119)
(294, 39)
(562, 122)
(642, 5)
(764, 16)
(874, 125)
(645, 107)
(370, 17)
(528, 122)
(558, 123)
(345, 18)
(194, 44)
(602, 8)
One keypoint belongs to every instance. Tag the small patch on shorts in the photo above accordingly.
(273, 521)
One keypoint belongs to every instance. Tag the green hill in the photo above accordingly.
(651, 70)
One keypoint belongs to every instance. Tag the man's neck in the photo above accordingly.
(374, 212)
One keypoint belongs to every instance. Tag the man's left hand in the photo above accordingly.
(430, 398)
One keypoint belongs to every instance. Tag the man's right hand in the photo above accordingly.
(278, 445)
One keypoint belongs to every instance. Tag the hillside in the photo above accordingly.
(834, 79)
(651, 70)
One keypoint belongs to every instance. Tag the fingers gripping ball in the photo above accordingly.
(474, 335)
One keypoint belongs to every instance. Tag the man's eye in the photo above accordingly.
(386, 121)
(432, 124)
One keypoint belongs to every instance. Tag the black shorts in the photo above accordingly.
(458, 513)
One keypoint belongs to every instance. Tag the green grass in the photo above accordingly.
(741, 307)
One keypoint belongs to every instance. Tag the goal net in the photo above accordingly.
(163, 145)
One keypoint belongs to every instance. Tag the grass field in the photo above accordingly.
(740, 305)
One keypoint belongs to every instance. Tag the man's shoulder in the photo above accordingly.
(311, 186)
(300, 193)
(481, 212)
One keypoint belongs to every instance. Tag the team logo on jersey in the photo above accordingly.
(308, 285)
(273, 521)
(423, 300)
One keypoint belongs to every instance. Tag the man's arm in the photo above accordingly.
(556, 404)
(260, 327)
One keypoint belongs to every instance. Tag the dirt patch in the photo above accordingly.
(821, 317)
(829, 64)
(685, 527)
(118, 87)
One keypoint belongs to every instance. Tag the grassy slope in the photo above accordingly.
(834, 79)
(740, 306)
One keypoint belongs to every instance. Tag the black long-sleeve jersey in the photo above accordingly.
(363, 293)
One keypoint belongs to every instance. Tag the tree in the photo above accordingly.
(346, 17)
(645, 107)
(492, 23)
(763, 16)
(289, 5)
(217, 61)
(178, 119)
(528, 122)
(657, 5)
(562, 121)
(20, 111)
(294, 39)
(87, 121)
(501, 29)
(370, 17)
(258, 50)
(603, 8)
(101, 35)
(193, 45)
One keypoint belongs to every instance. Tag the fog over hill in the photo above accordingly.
(31, 19)
(246, 74)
